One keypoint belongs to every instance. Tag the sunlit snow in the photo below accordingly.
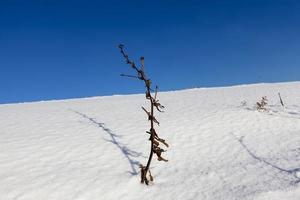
(221, 147)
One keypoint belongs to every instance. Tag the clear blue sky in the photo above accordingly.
(57, 49)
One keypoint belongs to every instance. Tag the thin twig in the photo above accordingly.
(155, 140)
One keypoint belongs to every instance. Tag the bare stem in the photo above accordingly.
(154, 139)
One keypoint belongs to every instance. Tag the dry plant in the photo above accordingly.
(154, 104)
(261, 105)
(281, 102)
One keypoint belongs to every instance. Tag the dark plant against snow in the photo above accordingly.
(281, 102)
(155, 140)
(261, 105)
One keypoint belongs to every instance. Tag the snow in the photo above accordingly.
(220, 148)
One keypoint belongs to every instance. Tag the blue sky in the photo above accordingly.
(58, 49)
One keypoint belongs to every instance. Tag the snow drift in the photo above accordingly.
(90, 148)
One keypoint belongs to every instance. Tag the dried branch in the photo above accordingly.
(154, 103)
(130, 76)
(280, 99)
(261, 105)
(150, 117)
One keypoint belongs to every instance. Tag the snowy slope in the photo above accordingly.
(90, 148)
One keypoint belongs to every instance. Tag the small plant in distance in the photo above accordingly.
(155, 140)
(281, 102)
(261, 105)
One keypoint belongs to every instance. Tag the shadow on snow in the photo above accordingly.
(293, 172)
(128, 154)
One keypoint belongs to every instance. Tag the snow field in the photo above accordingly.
(91, 148)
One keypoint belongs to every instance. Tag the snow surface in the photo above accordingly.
(90, 148)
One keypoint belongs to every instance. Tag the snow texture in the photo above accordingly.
(221, 147)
